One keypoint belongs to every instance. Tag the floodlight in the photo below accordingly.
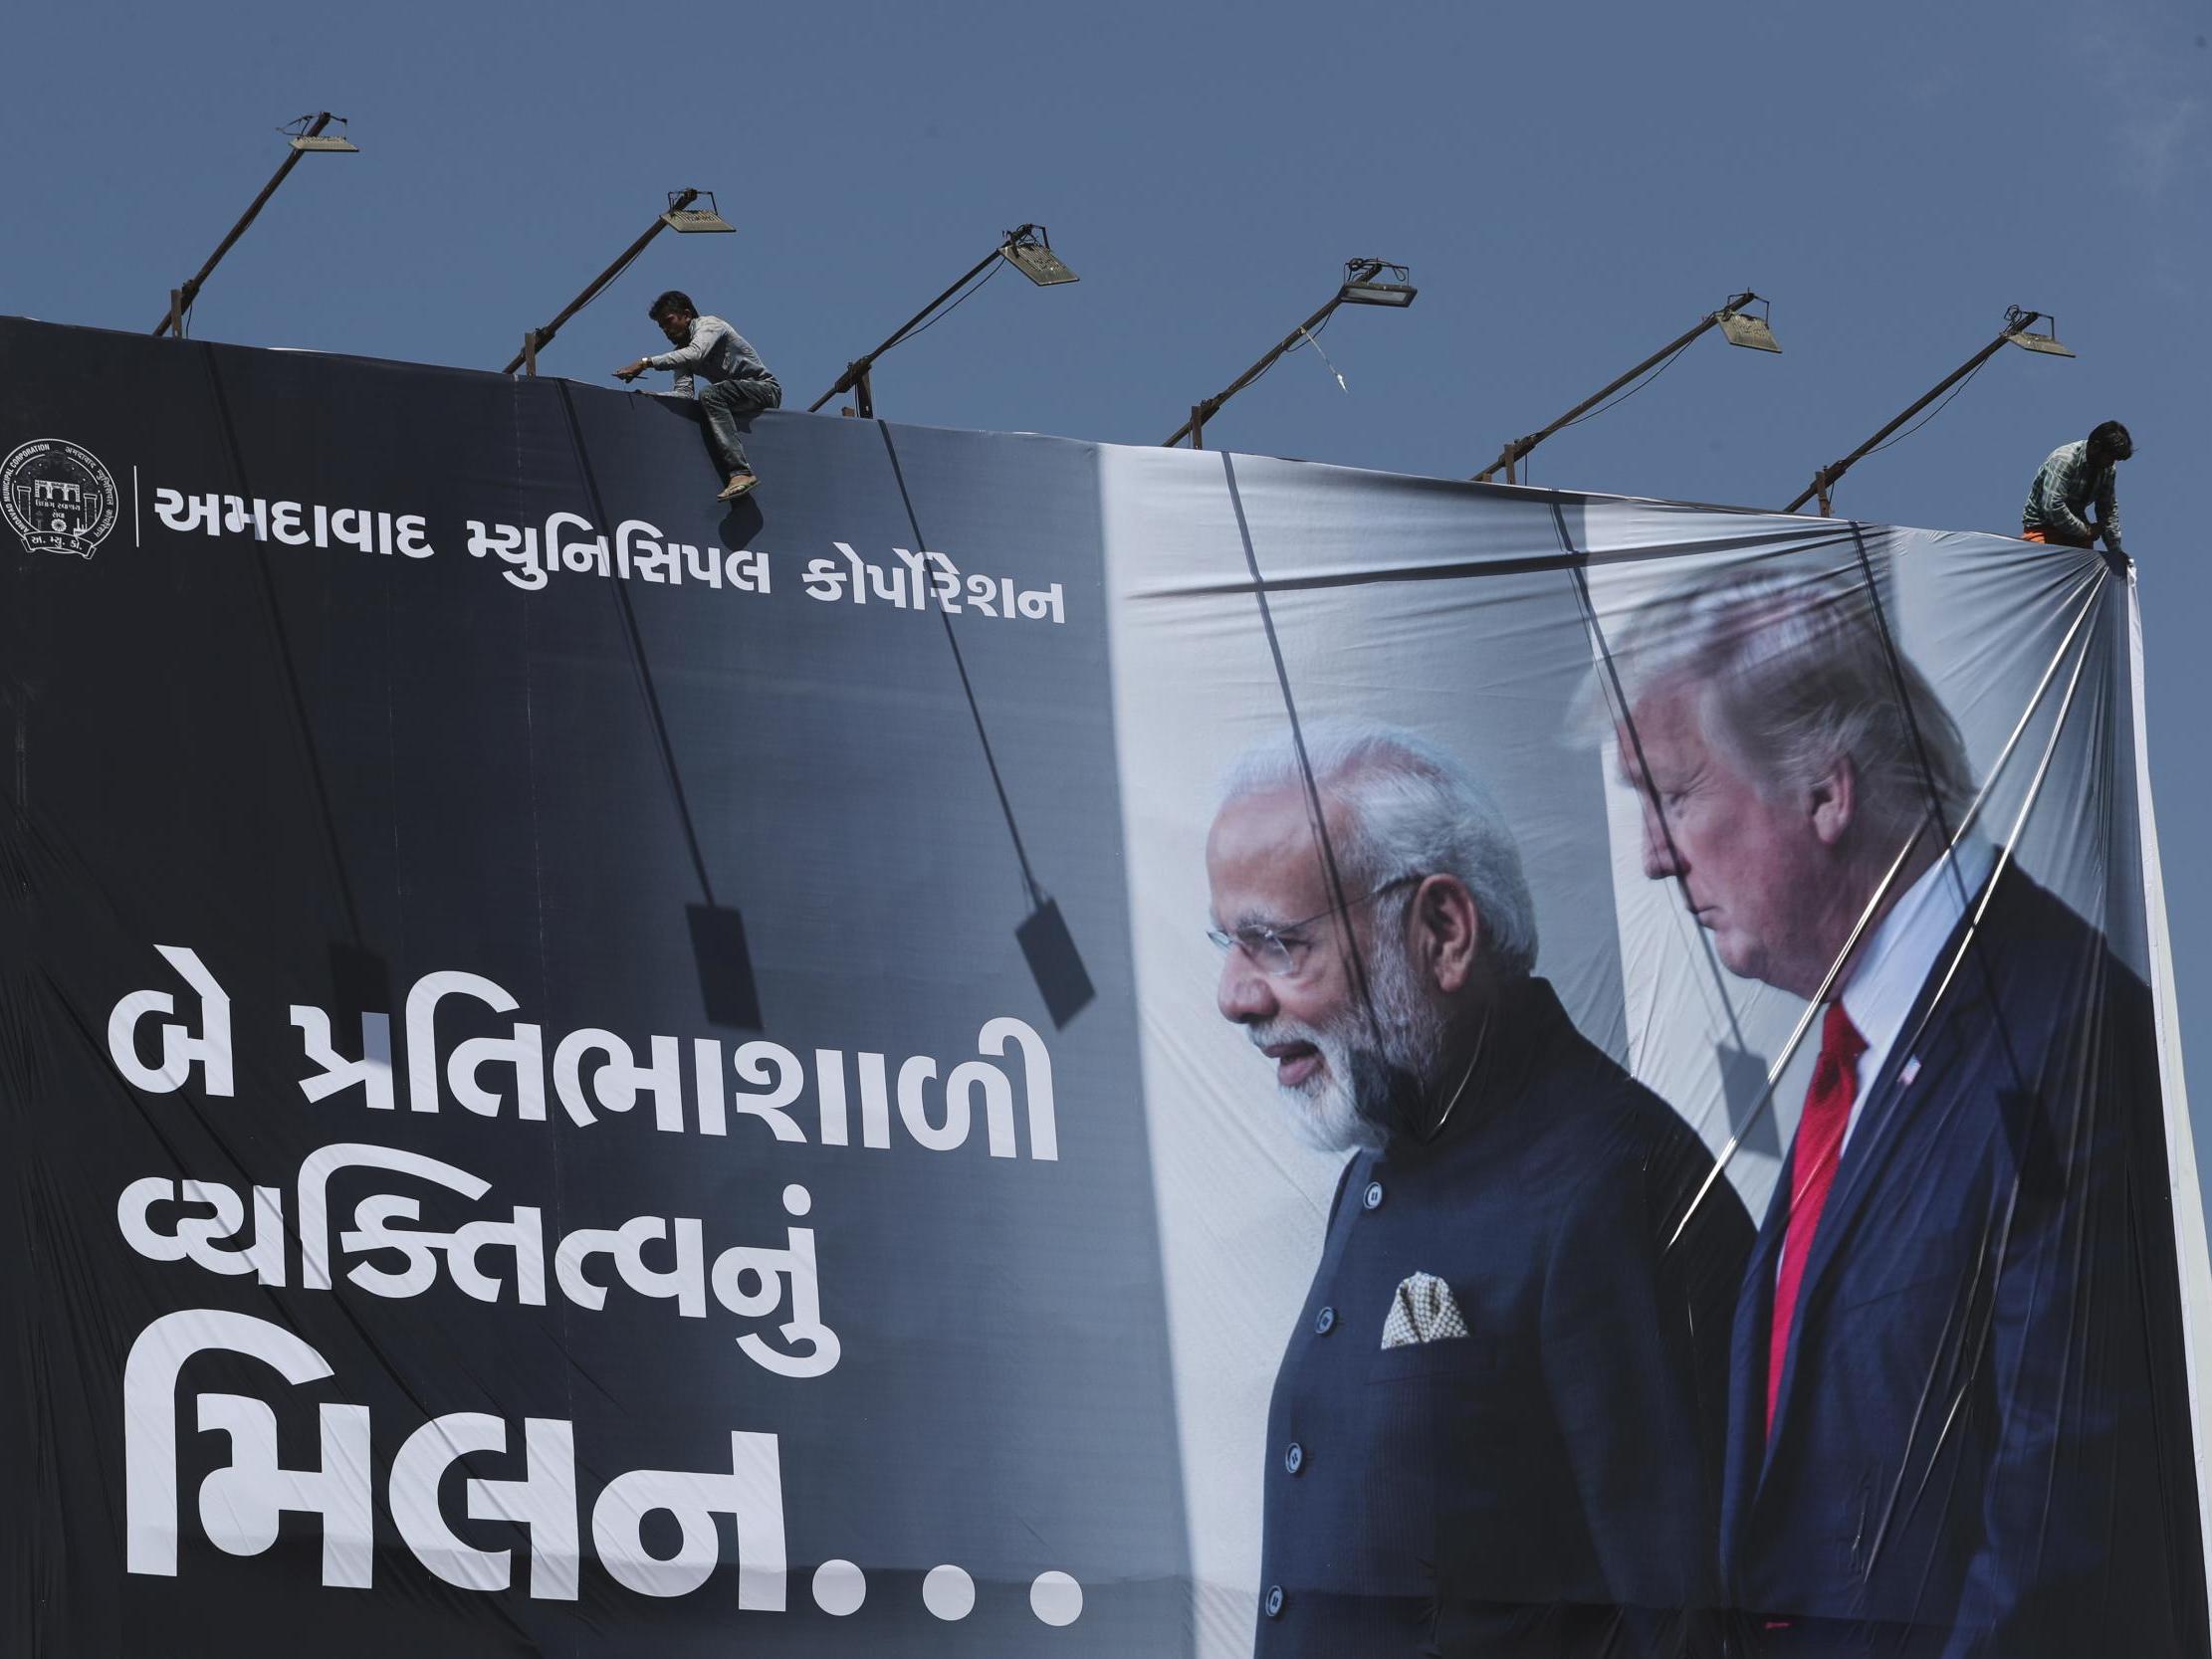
(1361, 290)
(308, 138)
(1736, 325)
(694, 221)
(2046, 343)
(1754, 333)
(1033, 257)
(1025, 248)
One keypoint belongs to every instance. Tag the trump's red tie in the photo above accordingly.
(1812, 1171)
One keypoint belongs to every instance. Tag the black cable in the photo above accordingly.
(1029, 882)
(1614, 403)
(1315, 812)
(996, 266)
(636, 640)
(1666, 363)
(613, 277)
(1306, 336)
(1932, 414)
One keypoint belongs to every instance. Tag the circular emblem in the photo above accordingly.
(57, 497)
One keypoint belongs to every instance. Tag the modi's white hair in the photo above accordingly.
(1791, 674)
(1410, 808)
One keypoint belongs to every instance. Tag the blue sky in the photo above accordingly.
(1571, 184)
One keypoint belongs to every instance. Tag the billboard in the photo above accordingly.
(1011, 1046)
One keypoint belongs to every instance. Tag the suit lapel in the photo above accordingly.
(1745, 1453)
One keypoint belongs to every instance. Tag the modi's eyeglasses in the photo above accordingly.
(1280, 952)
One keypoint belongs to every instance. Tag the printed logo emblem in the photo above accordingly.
(56, 496)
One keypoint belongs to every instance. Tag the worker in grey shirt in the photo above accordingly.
(739, 386)
(2074, 477)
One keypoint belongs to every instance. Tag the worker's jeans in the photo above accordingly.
(725, 408)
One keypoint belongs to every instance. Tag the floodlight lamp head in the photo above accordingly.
(1029, 252)
(318, 144)
(1363, 284)
(694, 221)
(1740, 327)
(2018, 331)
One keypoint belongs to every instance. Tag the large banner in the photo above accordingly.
(1010, 1047)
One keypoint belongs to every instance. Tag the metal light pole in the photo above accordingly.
(681, 217)
(1359, 288)
(310, 140)
(1741, 330)
(1026, 248)
(2014, 332)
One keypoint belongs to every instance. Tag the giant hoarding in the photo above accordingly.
(1015, 1047)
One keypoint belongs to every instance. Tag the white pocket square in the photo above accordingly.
(1422, 1310)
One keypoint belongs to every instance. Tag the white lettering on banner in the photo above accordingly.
(194, 1239)
(568, 541)
(517, 547)
(396, 1224)
(240, 1505)
(619, 1526)
(181, 1050)
(371, 1073)
(523, 1050)
(927, 579)
(597, 1072)
(257, 1488)
(616, 1079)
(287, 522)
(637, 548)
(544, 1500)
(752, 1282)
(315, 1171)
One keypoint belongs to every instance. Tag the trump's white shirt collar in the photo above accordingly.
(1885, 980)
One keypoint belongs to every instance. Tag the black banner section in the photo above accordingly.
(545, 1111)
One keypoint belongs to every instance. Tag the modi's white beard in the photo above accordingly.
(1407, 1035)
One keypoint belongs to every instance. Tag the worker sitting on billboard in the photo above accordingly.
(2073, 477)
(739, 386)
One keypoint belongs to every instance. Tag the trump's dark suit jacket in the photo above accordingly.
(1982, 1443)
(1512, 1491)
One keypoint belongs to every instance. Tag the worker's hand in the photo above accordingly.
(632, 370)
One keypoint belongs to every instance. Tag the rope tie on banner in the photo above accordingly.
(1883, 889)
(1577, 566)
(637, 643)
(1030, 887)
(1315, 814)
(1333, 369)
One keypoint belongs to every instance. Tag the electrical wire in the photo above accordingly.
(996, 266)
(613, 277)
(1932, 414)
(1305, 335)
(1664, 364)
(1614, 403)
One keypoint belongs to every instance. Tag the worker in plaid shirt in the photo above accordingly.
(2074, 477)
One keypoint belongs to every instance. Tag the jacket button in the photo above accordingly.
(1274, 1602)
(1294, 1457)
(1372, 1197)
(1324, 1321)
